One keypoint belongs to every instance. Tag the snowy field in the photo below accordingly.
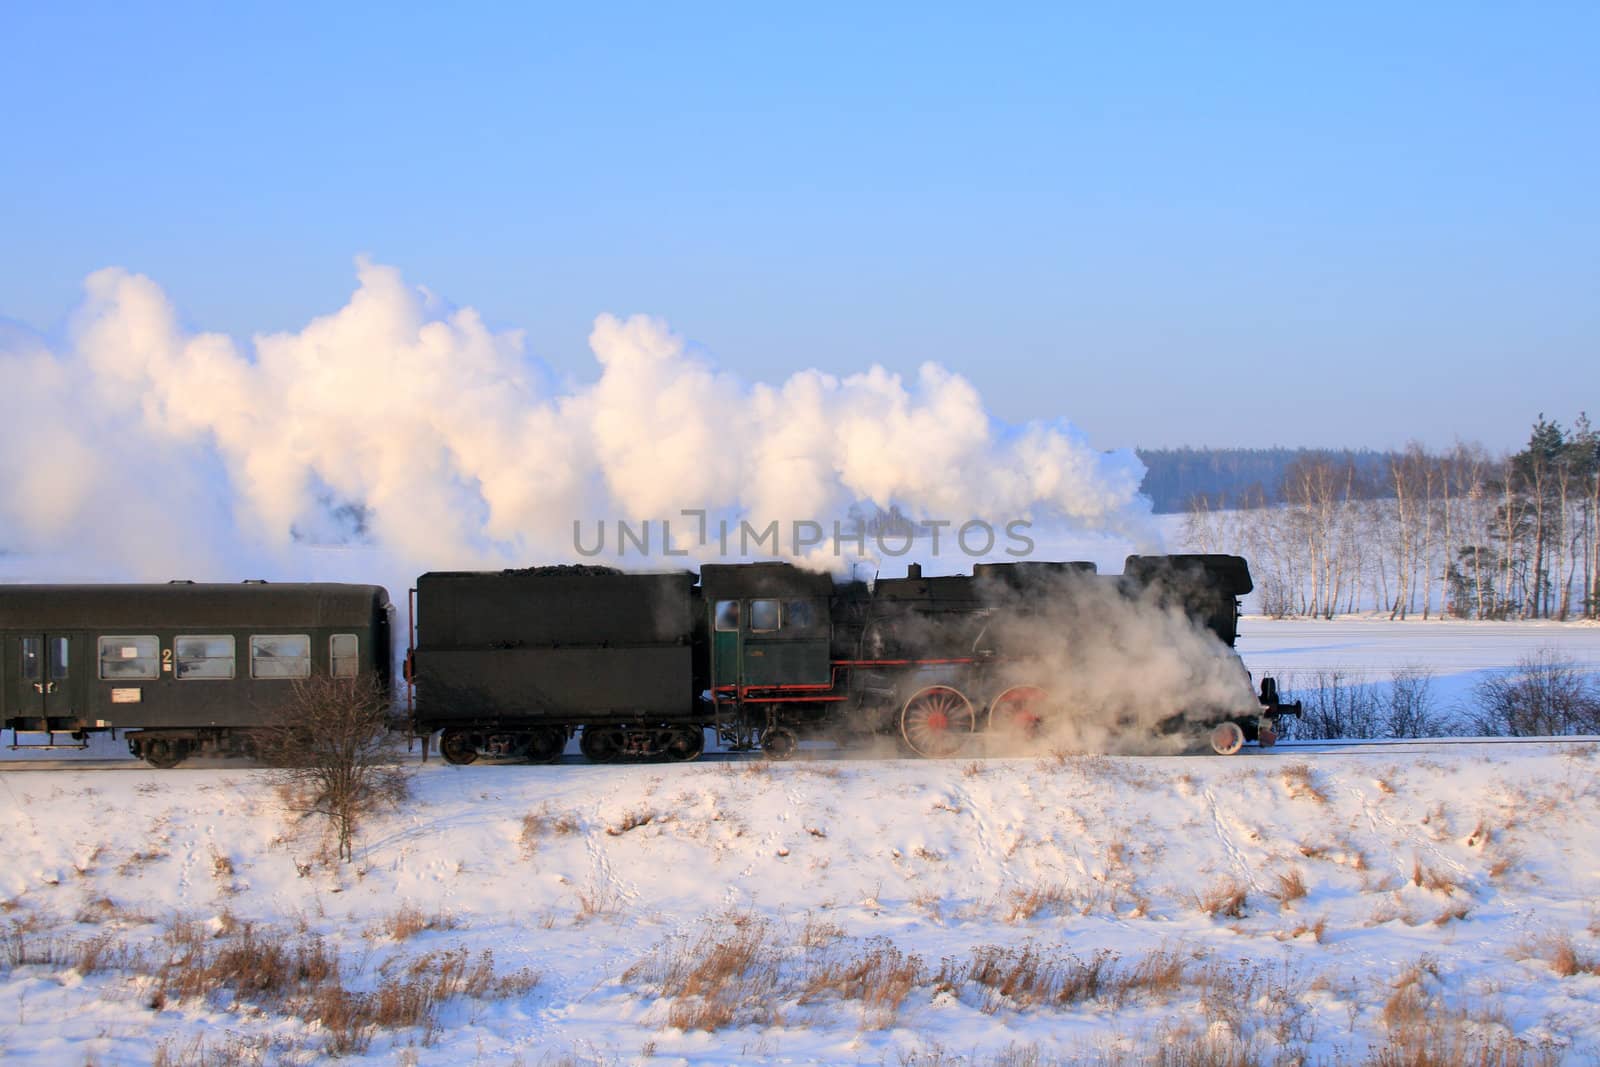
(1071, 909)
(1273, 907)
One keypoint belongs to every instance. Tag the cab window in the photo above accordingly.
(765, 616)
(800, 614)
(727, 615)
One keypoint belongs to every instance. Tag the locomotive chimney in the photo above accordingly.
(913, 570)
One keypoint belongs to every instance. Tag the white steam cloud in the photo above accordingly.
(136, 448)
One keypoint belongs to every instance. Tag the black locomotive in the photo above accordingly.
(641, 666)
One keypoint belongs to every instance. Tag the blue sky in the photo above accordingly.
(1203, 224)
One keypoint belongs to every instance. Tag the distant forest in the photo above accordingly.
(1226, 477)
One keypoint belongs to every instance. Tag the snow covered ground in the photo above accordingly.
(1050, 909)
(832, 910)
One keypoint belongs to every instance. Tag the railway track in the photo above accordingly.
(1384, 747)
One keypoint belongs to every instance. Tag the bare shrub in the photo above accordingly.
(1409, 708)
(1546, 694)
(332, 746)
(1335, 706)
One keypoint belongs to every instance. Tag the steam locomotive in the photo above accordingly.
(643, 666)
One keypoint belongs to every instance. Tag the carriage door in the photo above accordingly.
(725, 644)
(44, 673)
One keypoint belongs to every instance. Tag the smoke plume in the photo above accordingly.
(137, 448)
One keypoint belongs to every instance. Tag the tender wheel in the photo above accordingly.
(600, 744)
(779, 743)
(686, 744)
(164, 753)
(1227, 738)
(458, 747)
(545, 746)
(937, 721)
(1018, 714)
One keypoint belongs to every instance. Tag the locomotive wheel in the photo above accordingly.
(600, 744)
(1227, 738)
(779, 743)
(163, 753)
(458, 747)
(544, 746)
(937, 721)
(1018, 713)
(686, 744)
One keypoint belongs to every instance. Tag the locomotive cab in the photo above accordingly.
(770, 626)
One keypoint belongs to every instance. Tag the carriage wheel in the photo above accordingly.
(164, 753)
(1227, 738)
(1018, 714)
(686, 744)
(545, 746)
(600, 744)
(779, 743)
(458, 747)
(937, 721)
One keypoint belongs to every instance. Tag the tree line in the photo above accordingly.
(1175, 477)
(1459, 532)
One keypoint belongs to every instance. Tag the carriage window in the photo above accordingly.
(30, 659)
(59, 649)
(280, 656)
(765, 617)
(129, 657)
(205, 657)
(342, 654)
(800, 613)
(727, 615)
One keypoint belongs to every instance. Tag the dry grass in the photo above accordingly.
(1431, 878)
(1225, 899)
(1026, 902)
(597, 900)
(1318, 930)
(1481, 835)
(408, 920)
(819, 933)
(139, 859)
(231, 1050)
(1424, 1031)
(1027, 976)
(1561, 952)
(1297, 780)
(633, 820)
(730, 972)
(879, 976)
(1291, 886)
(1457, 911)
(537, 825)
(303, 977)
